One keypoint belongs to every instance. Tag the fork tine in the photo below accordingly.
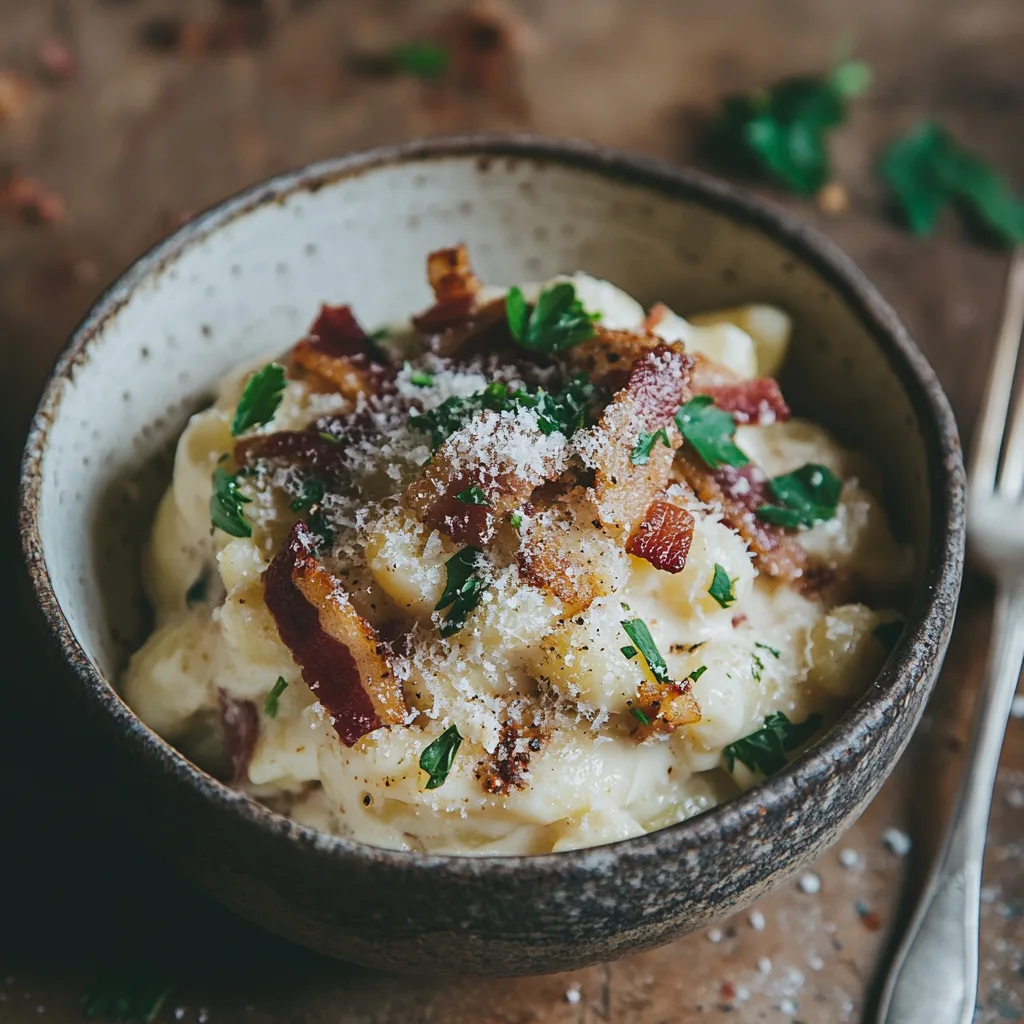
(985, 461)
(1011, 478)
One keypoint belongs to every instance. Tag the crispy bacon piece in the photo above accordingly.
(608, 356)
(343, 660)
(298, 447)
(240, 722)
(663, 536)
(337, 333)
(657, 386)
(758, 401)
(740, 492)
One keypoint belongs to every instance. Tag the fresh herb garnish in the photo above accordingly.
(927, 169)
(556, 323)
(721, 587)
(637, 631)
(317, 522)
(887, 633)
(270, 704)
(781, 132)
(196, 593)
(629, 652)
(421, 58)
(697, 673)
(420, 378)
(472, 496)
(766, 749)
(564, 410)
(330, 438)
(639, 715)
(645, 445)
(710, 430)
(226, 505)
(260, 399)
(462, 590)
(756, 668)
(438, 757)
(312, 493)
(127, 997)
(773, 651)
(516, 519)
(807, 496)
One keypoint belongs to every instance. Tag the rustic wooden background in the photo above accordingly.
(135, 139)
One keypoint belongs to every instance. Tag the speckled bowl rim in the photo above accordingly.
(928, 621)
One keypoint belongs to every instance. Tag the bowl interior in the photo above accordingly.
(248, 278)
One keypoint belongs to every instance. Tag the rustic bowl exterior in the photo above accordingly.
(245, 278)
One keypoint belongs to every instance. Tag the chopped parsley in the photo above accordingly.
(516, 519)
(710, 430)
(773, 651)
(330, 438)
(317, 522)
(197, 592)
(226, 505)
(419, 378)
(806, 496)
(756, 668)
(260, 399)
(639, 715)
(721, 587)
(887, 633)
(556, 323)
(438, 757)
(637, 631)
(765, 750)
(697, 673)
(421, 59)
(565, 410)
(270, 704)
(462, 590)
(781, 132)
(645, 445)
(127, 997)
(312, 493)
(472, 496)
(927, 170)
(629, 652)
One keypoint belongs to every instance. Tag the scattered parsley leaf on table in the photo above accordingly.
(765, 750)
(439, 756)
(927, 169)
(557, 322)
(781, 132)
(260, 399)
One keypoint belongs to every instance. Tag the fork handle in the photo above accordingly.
(934, 977)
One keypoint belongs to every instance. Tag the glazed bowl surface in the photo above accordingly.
(246, 278)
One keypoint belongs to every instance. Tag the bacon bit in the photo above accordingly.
(740, 492)
(509, 763)
(28, 198)
(825, 581)
(607, 357)
(343, 660)
(336, 332)
(240, 722)
(870, 919)
(657, 386)
(663, 536)
(757, 401)
(14, 93)
(299, 447)
(56, 59)
(727, 991)
(738, 620)
(667, 705)
(655, 315)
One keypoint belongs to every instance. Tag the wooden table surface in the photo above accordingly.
(136, 140)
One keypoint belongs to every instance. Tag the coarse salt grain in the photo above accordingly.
(756, 919)
(815, 962)
(810, 883)
(1017, 708)
(203, 1015)
(849, 858)
(1015, 798)
(715, 935)
(897, 841)
(764, 965)
(179, 1013)
(788, 1006)
(742, 994)
(572, 994)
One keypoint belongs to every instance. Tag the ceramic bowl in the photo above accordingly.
(246, 277)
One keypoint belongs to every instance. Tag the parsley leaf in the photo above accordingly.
(629, 652)
(472, 496)
(317, 522)
(887, 633)
(226, 505)
(556, 323)
(927, 169)
(438, 757)
(419, 378)
(639, 715)
(421, 59)
(697, 673)
(330, 438)
(637, 631)
(765, 750)
(645, 445)
(270, 704)
(808, 495)
(453, 413)
(721, 587)
(127, 997)
(312, 493)
(781, 132)
(462, 590)
(516, 519)
(757, 667)
(710, 430)
(773, 651)
(260, 399)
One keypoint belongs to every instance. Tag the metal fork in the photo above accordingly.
(934, 977)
